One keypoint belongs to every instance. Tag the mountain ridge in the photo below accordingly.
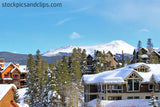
(22, 58)
(115, 47)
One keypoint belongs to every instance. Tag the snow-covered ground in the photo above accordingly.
(114, 47)
(21, 93)
(120, 103)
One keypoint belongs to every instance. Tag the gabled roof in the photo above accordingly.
(156, 53)
(119, 75)
(137, 65)
(4, 88)
(142, 48)
(109, 53)
(5, 65)
(22, 68)
(134, 72)
(15, 69)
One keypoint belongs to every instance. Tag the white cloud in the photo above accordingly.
(144, 30)
(80, 10)
(63, 21)
(75, 35)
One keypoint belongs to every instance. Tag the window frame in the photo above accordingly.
(133, 77)
(156, 88)
(114, 88)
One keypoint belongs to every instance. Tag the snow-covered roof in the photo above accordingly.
(5, 65)
(157, 49)
(144, 56)
(4, 88)
(142, 48)
(7, 79)
(156, 52)
(21, 68)
(118, 75)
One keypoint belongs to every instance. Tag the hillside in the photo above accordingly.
(22, 58)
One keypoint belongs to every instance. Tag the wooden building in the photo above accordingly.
(110, 63)
(13, 73)
(135, 81)
(146, 55)
(7, 95)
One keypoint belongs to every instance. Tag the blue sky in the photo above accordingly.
(79, 23)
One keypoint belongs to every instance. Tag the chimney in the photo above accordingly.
(2, 60)
(17, 64)
(1, 63)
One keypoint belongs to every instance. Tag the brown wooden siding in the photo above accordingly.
(6, 100)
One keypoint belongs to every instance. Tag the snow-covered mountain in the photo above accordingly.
(115, 47)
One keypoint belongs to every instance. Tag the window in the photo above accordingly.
(153, 85)
(142, 68)
(102, 98)
(133, 97)
(114, 98)
(148, 97)
(136, 97)
(133, 83)
(114, 88)
(130, 87)
(15, 76)
(6, 76)
(130, 97)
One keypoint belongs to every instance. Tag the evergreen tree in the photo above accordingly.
(134, 56)
(98, 61)
(139, 45)
(51, 87)
(38, 78)
(30, 94)
(45, 89)
(16, 97)
(84, 61)
(153, 102)
(123, 61)
(34, 81)
(149, 43)
(75, 64)
(127, 60)
(30, 62)
(103, 63)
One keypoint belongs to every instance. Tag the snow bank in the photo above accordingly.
(120, 103)
(21, 93)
